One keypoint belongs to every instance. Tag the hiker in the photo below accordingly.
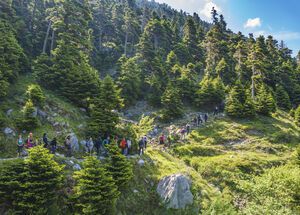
(20, 144)
(53, 145)
(169, 140)
(141, 146)
(45, 140)
(123, 145)
(216, 111)
(162, 139)
(90, 145)
(145, 141)
(128, 146)
(199, 120)
(182, 133)
(30, 141)
(188, 128)
(205, 117)
(195, 121)
(98, 143)
(68, 146)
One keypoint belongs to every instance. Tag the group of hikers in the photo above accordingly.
(125, 144)
(30, 142)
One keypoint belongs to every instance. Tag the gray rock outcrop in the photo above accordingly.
(175, 191)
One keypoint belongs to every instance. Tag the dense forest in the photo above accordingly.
(104, 56)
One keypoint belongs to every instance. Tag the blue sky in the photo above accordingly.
(280, 18)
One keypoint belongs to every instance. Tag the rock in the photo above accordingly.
(74, 142)
(8, 112)
(77, 167)
(141, 162)
(8, 131)
(83, 142)
(175, 191)
(135, 191)
(42, 114)
(56, 124)
(83, 109)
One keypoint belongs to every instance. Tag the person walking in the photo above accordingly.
(90, 146)
(68, 146)
(45, 140)
(162, 139)
(205, 117)
(129, 143)
(53, 145)
(123, 145)
(20, 145)
(141, 146)
(145, 141)
(98, 143)
(188, 128)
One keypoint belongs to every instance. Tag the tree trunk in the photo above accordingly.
(52, 42)
(252, 84)
(125, 45)
(46, 37)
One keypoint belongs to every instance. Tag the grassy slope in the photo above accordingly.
(217, 157)
(61, 111)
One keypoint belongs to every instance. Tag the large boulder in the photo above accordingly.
(74, 142)
(9, 132)
(175, 191)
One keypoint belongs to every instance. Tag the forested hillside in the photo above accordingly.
(110, 69)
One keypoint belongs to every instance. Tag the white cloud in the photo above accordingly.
(252, 23)
(206, 10)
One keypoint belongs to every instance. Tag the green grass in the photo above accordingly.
(62, 111)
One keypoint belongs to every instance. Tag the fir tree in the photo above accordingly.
(103, 109)
(12, 177)
(43, 179)
(211, 92)
(120, 168)
(29, 120)
(234, 105)
(282, 98)
(35, 94)
(171, 103)
(130, 80)
(264, 103)
(95, 191)
(249, 108)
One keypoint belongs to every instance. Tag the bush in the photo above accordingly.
(29, 120)
(35, 94)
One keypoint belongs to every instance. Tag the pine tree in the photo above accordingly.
(224, 71)
(234, 105)
(29, 120)
(130, 80)
(282, 98)
(171, 102)
(120, 167)
(35, 94)
(95, 191)
(264, 102)
(210, 92)
(249, 108)
(12, 177)
(43, 179)
(103, 109)
(12, 60)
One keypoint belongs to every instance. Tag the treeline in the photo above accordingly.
(38, 184)
(153, 52)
